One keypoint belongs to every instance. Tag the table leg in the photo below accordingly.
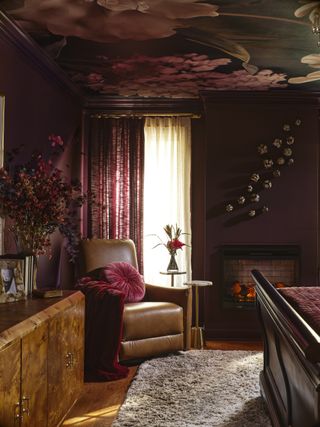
(196, 332)
(172, 280)
(197, 306)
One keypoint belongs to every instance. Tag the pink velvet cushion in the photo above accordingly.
(125, 277)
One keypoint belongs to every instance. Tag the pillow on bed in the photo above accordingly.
(126, 278)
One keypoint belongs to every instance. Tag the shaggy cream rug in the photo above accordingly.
(196, 388)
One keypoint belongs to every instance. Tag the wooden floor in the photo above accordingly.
(100, 402)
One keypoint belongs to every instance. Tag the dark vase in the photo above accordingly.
(173, 266)
(22, 245)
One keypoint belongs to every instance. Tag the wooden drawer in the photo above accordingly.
(41, 362)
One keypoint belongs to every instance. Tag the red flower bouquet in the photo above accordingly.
(173, 243)
(39, 199)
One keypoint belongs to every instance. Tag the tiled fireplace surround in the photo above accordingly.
(230, 309)
(280, 264)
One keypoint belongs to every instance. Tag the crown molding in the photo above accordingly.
(134, 105)
(292, 97)
(12, 33)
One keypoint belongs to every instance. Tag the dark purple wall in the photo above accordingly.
(235, 124)
(36, 105)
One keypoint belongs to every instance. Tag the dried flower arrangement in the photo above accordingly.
(39, 199)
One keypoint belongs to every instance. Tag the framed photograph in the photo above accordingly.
(12, 280)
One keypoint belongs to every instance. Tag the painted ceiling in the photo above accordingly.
(174, 48)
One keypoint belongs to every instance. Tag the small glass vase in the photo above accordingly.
(173, 266)
(31, 262)
(33, 259)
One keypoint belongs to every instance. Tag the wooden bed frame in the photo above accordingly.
(290, 380)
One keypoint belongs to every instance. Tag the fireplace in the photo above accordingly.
(280, 264)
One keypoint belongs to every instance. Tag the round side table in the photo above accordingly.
(172, 273)
(197, 331)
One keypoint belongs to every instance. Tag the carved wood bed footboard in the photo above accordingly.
(290, 380)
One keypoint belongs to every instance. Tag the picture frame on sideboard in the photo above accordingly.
(13, 286)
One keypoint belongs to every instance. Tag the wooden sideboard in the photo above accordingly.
(41, 359)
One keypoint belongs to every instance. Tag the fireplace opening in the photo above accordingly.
(280, 264)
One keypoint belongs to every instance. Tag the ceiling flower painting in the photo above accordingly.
(312, 10)
(112, 20)
(173, 76)
(176, 48)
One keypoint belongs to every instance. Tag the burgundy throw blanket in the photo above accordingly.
(103, 330)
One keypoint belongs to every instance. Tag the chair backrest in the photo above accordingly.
(97, 253)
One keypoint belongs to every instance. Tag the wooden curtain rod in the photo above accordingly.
(142, 115)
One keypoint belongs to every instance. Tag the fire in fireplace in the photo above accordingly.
(280, 264)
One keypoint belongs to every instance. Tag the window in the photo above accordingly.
(166, 194)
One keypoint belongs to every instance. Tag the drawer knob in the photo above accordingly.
(69, 360)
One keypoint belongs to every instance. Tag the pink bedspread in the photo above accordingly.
(306, 301)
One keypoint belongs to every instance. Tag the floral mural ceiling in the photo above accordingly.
(174, 48)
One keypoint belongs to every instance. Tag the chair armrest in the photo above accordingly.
(181, 296)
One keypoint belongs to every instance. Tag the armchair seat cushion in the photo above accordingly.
(143, 320)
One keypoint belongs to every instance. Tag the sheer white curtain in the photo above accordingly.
(166, 194)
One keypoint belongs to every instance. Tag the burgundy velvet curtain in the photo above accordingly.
(116, 165)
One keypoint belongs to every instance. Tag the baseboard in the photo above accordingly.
(233, 335)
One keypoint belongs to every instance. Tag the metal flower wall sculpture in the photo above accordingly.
(274, 156)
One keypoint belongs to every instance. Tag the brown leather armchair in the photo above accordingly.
(159, 324)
